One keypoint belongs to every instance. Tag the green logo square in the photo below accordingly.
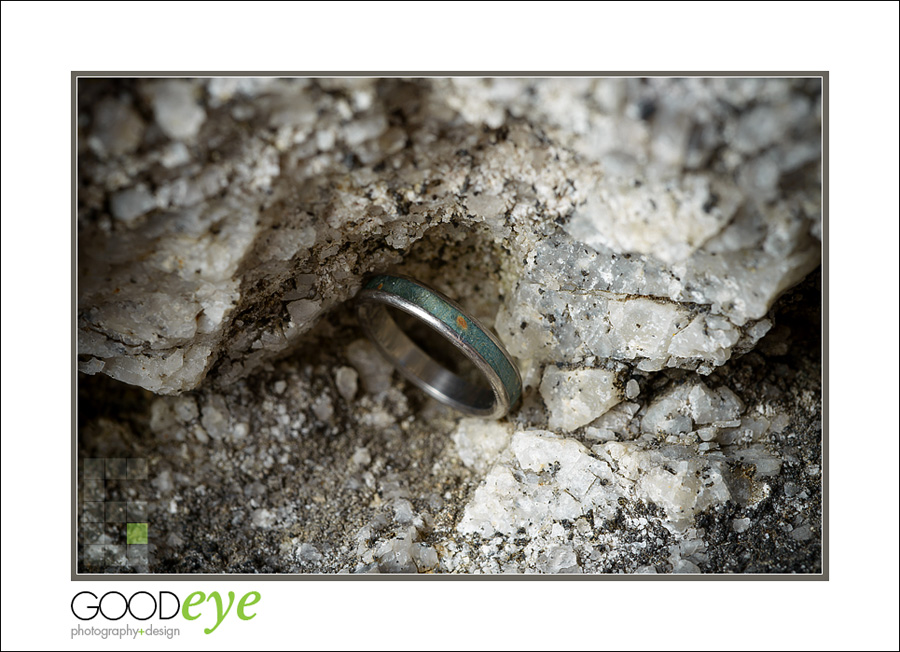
(137, 533)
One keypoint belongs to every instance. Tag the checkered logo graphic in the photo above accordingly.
(113, 530)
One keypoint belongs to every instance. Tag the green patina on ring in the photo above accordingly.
(466, 327)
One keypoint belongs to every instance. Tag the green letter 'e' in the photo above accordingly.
(190, 602)
(246, 603)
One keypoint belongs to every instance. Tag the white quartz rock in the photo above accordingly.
(176, 109)
(548, 478)
(663, 220)
(765, 463)
(117, 127)
(647, 224)
(480, 441)
(707, 337)
(216, 418)
(128, 205)
(304, 311)
(632, 389)
(346, 380)
(374, 371)
(573, 302)
(712, 406)
(669, 413)
(685, 487)
(570, 463)
(560, 559)
(679, 408)
(740, 525)
(617, 421)
(577, 397)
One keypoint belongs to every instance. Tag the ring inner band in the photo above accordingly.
(418, 366)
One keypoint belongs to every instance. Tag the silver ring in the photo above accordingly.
(481, 347)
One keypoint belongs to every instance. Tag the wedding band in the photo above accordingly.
(474, 341)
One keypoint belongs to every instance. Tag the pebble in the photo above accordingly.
(740, 525)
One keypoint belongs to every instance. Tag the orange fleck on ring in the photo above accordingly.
(461, 322)
(380, 285)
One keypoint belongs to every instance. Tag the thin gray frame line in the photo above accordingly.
(821, 576)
